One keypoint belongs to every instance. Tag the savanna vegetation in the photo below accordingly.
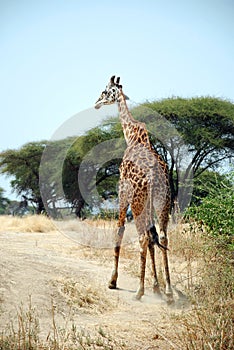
(196, 138)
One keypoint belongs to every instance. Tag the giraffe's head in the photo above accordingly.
(111, 94)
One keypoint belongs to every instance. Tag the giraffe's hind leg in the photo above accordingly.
(118, 240)
(144, 243)
(163, 222)
(156, 288)
(140, 210)
(168, 289)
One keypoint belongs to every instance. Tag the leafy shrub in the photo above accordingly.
(216, 211)
(107, 214)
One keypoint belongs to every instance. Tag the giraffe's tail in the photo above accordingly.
(155, 238)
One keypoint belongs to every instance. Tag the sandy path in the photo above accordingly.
(40, 265)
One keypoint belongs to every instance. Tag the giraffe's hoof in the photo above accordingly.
(170, 300)
(169, 295)
(112, 285)
(156, 289)
(139, 294)
(168, 291)
(157, 292)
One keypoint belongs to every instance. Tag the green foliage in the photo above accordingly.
(4, 202)
(51, 172)
(85, 156)
(203, 134)
(107, 214)
(208, 182)
(200, 120)
(216, 211)
(23, 165)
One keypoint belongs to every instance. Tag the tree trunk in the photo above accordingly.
(78, 207)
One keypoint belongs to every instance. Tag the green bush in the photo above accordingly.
(107, 214)
(216, 211)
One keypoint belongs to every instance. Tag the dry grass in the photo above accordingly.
(25, 335)
(207, 276)
(206, 327)
(200, 268)
(83, 295)
(187, 255)
(96, 233)
(33, 223)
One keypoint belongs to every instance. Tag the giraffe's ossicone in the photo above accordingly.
(144, 185)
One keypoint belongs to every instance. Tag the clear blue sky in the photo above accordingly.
(57, 56)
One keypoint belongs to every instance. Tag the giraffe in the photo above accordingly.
(144, 185)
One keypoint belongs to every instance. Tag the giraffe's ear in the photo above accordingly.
(112, 80)
(126, 97)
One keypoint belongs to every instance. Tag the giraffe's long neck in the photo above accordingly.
(134, 131)
(125, 115)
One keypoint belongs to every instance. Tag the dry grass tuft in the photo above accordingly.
(187, 252)
(83, 295)
(33, 223)
(207, 327)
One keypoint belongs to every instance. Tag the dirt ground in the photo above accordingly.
(70, 281)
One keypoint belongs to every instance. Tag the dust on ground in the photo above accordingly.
(70, 280)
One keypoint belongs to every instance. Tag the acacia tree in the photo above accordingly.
(97, 177)
(46, 173)
(23, 166)
(206, 127)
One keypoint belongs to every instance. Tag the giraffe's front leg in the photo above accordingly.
(114, 276)
(144, 241)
